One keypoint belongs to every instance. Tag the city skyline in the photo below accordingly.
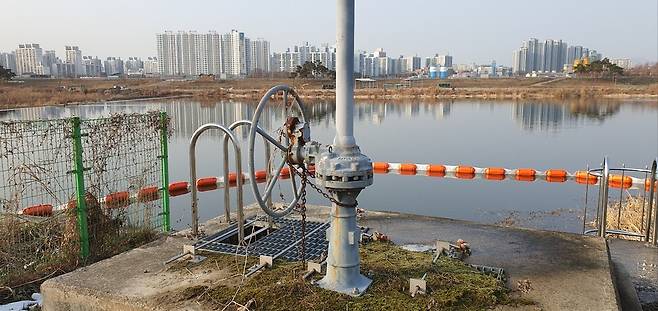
(449, 30)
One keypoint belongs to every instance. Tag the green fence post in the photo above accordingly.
(164, 160)
(79, 171)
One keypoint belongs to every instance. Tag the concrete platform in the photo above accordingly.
(636, 270)
(564, 271)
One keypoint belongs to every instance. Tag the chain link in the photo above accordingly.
(301, 203)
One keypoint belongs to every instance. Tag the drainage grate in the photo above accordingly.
(282, 242)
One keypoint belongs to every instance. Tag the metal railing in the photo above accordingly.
(229, 135)
(648, 222)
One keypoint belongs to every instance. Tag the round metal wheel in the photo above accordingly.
(282, 147)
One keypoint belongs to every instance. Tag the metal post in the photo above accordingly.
(344, 170)
(652, 192)
(345, 74)
(80, 192)
(164, 162)
(603, 198)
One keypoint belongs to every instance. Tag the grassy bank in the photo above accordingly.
(58, 92)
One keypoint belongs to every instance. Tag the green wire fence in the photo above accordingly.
(75, 191)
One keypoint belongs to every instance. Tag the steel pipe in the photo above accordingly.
(345, 74)
(652, 193)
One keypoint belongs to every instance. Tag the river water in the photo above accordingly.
(511, 134)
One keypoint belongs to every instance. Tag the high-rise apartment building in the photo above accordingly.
(29, 60)
(113, 66)
(8, 61)
(151, 66)
(74, 56)
(93, 66)
(549, 56)
(133, 65)
(192, 54)
(260, 56)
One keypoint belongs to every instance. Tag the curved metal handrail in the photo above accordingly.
(268, 169)
(193, 176)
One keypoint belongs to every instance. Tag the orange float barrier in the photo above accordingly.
(556, 173)
(435, 168)
(178, 188)
(117, 199)
(207, 183)
(148, 194)
(525, 172)
(618, 181)
(44, 210)
(261, 175)
(465, 170)
(285, 172)
(408, 168)
(380, 166)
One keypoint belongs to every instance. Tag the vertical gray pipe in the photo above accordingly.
(345, 74)
(603, 198)
(652, 192)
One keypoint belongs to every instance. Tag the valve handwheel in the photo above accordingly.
(284, 147)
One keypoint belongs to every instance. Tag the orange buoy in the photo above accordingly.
(465, 175)
(556, 173)
(179, 188)
(285, 171)
(435, 168)
(408, 168)
(494, 171)
(526, 172)
(380, 166)
(550, 178)
(260, 175)
(117, 199)
(583, 177)
(525, 177)
(43, 210)
(465, 170)
(207, 183)
(647, 184)
(148, 194)
(616, 181)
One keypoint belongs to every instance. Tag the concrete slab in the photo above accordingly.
(563, 271)
(636, 268)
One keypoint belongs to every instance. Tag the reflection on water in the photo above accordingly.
(551, 116)
(534, 134)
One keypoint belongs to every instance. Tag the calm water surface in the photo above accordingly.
(534, 134)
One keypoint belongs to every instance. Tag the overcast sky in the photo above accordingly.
(470, 30)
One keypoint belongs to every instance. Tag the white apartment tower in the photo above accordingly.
(235, 54)
(260, 56)
(74, 56)
(29, 60)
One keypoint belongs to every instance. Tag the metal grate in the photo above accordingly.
(283, 243)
